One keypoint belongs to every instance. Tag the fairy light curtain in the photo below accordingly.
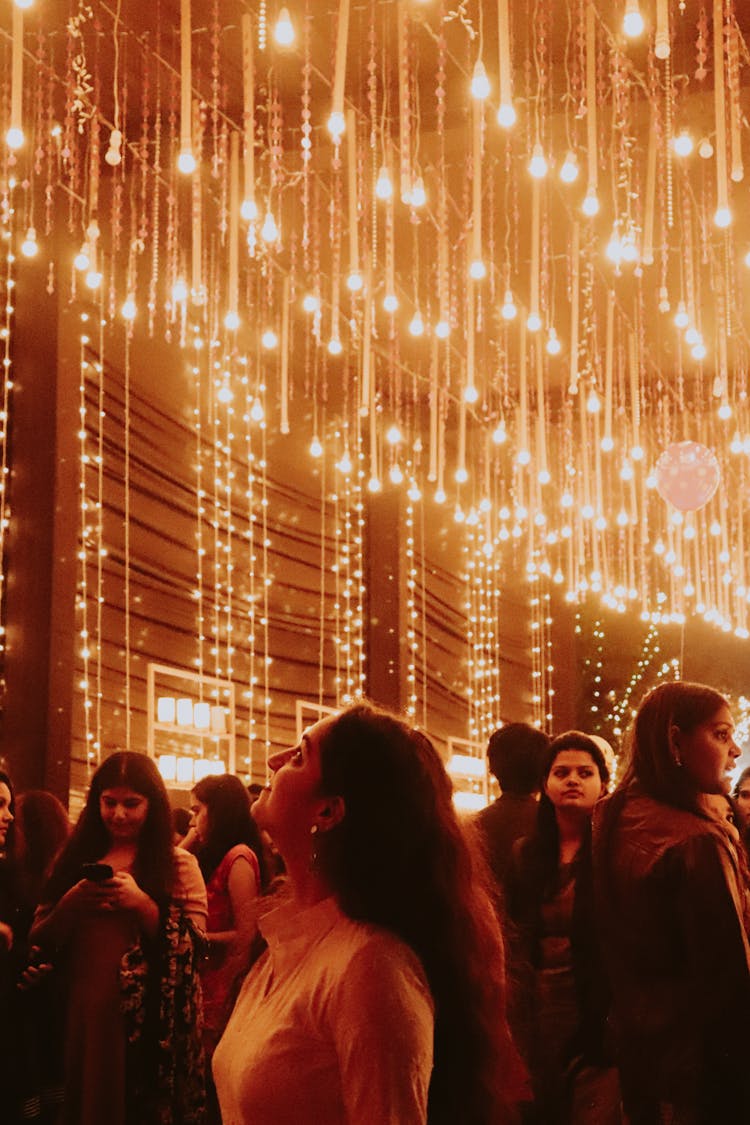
(491, 254)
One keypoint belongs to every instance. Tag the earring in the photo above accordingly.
(313, 847)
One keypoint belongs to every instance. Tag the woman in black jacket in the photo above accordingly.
(557, 965)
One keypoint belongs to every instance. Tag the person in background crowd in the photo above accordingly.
(381, 997)
(227, 843)
(671, 902)
(254, 791)
(9, 908)
(741, 796)
(42, 827)
(549, 899)
(118, 921)
(515, 755)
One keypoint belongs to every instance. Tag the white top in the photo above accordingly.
(333, 1025)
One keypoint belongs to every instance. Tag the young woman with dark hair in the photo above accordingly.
(226, 841)
(672, 897)
(381, 998)
(563, 997)
(118, 920)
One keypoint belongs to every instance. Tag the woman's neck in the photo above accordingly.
(121, 855)
(571, 828)
(307, 884)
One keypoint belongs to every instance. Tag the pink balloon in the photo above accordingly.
(687, 475)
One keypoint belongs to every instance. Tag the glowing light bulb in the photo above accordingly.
(269, 339)
(334, 346)
(440, 496)
(395, 474)
(699, 351)
(705, 149)
(523, 457)
(614, 249)
(283, 32)
(632, 23)
(225, 394)
(471, 394)
(393, 436)
(681, 317)
(636, 453)
(416, 325)
(747, 259)
(24, 5)
(14, 138)
(383, 185)
(683, 143)
(534, 322)
(590, 205)
(500, 435)
(316, 449)
(722, 217)
(593, 405)
(179, 290)
(93, 279)
(569, 170)
(480, 83)
(538, 164)
(692, 335)
(477, 270)
(553, 344)
(663, 300)
(442, 329)
(566, 500)
(310, 303)
(269, 232)
(186, 162)
(461, 475)
(82, 261)
(506, 115)
(508, 311)
(256, 411)
(29, 246)
(418, 194)
(725, 411)
(113, 156)
(607, 444)
(249, 210)
(344, 465)
(626, 472)
(390, 302)
(374, 484)
(354, 282)
(543, 477)
(336, 125)
(232, 321)
(128, 309)
(661, 44)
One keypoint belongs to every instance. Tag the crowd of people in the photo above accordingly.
(341, 946)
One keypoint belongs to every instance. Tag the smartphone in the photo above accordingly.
(96, 872)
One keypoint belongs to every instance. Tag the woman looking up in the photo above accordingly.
(672, 902)
(117, 919)
(380, 1000)
(549, 899)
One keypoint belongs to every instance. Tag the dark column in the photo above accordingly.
(385, 640)
(42, 488)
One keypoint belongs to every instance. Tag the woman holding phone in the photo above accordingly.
(121, 919)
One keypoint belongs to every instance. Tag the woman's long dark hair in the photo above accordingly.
(400, 859)
(42, 827)
(544, 843)
(230, 822)
(154, 867)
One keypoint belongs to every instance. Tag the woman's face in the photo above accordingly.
(199, 818)
(6, 816)
(573, 782)
(123, 813)
(708, 752)
(743, 801)
(287, 806)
